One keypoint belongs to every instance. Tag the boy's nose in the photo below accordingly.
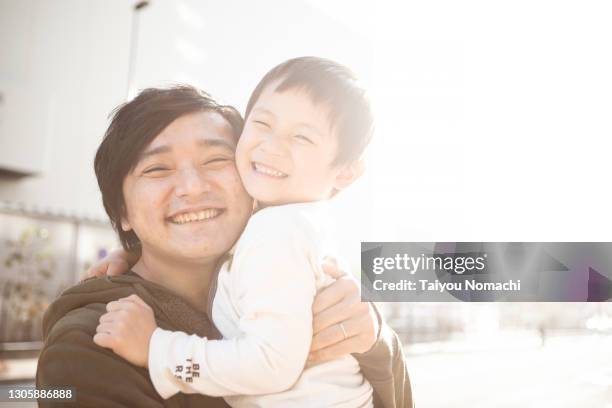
(273, 147)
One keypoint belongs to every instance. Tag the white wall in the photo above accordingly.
(20, 148)
(226, 47)
(68, 69)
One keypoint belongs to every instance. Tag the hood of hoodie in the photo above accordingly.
(86, 301)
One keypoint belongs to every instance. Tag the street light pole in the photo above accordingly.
(134, 47)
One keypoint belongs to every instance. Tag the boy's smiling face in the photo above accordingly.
(287, 148)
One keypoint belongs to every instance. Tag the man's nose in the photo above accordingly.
(192, 182)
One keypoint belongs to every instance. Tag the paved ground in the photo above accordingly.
(567, 372)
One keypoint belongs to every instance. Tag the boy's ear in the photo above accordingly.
(349, 174)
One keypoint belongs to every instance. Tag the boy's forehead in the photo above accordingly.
(295, 103)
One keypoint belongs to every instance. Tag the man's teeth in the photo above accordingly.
(268, 171)
(196, 216)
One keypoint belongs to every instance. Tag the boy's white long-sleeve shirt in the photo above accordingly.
(263, 309)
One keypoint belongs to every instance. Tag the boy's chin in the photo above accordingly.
(266, 198)
(269, 201)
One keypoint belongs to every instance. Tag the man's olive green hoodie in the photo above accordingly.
(103, 379)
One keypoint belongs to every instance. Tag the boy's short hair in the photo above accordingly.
(335, 85)
(133, 126)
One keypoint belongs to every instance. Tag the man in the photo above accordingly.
(170, 187)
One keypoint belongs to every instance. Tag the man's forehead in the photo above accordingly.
(205, 143)
(202, 129)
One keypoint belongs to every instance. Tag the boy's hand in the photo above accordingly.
(342, 323)
(127, 328)
(115, 263)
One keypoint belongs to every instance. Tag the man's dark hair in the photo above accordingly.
(333, 84)
(134, 125)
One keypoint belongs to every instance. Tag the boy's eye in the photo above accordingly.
(262, 123)
(303, 139)
(217, 160)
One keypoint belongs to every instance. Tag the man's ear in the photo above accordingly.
(125, 224)
(348, 174)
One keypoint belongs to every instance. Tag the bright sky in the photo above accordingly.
(493, 118)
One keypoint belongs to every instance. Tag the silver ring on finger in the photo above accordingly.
(343, 331)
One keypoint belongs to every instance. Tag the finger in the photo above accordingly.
(336, 350)
(333, 315)
(117, 267)
(334, 293)
(330, 267)
(334, 334)
(106, 327)
(120, 304)
(137, 300)
(109, 317)
(328, 259)
(112, 306)
(99, 269)
(103, 340)
(135, 303)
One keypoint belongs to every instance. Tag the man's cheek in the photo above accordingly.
(233, 180)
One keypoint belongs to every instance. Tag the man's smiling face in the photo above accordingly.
(184, 198)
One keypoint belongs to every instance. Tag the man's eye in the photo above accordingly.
(303, 139)
(154, 170)
(217, 160)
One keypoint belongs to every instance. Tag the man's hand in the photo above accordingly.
(342, 323)
(115, 263)
(127, 328)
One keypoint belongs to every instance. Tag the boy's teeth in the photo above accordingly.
(196, 216)
(268, 171)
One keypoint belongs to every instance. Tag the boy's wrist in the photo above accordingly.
(159, 371)
(148, 348)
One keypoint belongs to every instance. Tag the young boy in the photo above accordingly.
(306, 126)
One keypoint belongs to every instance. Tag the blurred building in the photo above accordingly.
(427, 322)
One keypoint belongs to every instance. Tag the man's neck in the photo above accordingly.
(189, 280)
